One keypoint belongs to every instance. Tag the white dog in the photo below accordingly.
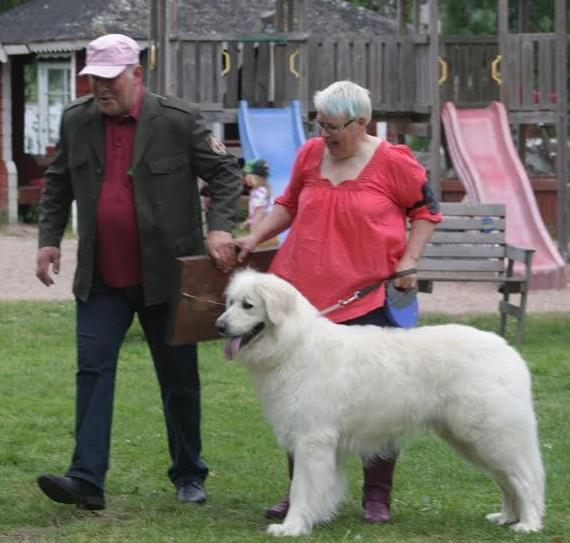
(329, 389)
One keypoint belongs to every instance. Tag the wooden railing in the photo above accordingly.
(469, 63)
(529, 67)
(219, 70)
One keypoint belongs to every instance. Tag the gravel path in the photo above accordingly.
(18, 248)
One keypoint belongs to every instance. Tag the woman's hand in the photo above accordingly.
(408, 282)
(246, 245)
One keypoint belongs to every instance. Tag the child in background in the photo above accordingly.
(260, 198)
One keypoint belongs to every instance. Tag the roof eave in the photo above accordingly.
(62, 46)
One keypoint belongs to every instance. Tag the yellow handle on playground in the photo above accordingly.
(152, 59)
(495, 70)
(292, 58)
(227, 62)
(443, 65)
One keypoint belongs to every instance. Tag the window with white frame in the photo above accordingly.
(49, 85)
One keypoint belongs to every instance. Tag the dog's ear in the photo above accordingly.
(279, 299)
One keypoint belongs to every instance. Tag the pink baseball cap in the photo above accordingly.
(109, 55)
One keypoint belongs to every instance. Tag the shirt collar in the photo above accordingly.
(136, 109)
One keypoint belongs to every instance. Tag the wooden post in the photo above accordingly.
(562, 128)
(435, 120)
(416, 10)
(162, 26)
(401, 14)
(522, 27)
(506, 60)
(523, 16)
(290, 16)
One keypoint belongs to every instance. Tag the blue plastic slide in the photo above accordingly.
(273, 134)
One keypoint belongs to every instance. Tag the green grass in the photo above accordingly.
(438, 497)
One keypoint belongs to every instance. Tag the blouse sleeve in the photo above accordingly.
(290, 197)
(410, 186)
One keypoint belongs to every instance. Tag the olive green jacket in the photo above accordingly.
(172, 147)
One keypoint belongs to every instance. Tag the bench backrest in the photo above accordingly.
(470, 239)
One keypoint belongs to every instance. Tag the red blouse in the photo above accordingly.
(345, 237)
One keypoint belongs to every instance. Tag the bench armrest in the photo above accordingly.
(519, 254)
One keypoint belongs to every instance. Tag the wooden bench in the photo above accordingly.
(470, 246)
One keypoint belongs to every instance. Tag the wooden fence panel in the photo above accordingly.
(527, 76)
(187, 62)
(545, 91)
(344, 60)
(359, 62)
(232, 95)
(469, 59)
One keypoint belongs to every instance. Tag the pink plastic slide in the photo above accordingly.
(485, 159)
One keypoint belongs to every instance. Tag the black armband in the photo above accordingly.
(428, 199)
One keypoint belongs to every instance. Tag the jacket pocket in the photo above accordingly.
(76, 163)
(168, 165)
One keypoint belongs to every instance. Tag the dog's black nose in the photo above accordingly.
(220, 325)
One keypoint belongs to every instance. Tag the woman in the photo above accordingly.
(346, 204)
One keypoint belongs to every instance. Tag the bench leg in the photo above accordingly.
(520, 325)
(503, 327)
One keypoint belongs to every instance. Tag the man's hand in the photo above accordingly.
(47, 256)
(221, 247)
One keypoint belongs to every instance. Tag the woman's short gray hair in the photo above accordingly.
(344, 99)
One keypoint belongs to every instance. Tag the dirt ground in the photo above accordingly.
(18, 246)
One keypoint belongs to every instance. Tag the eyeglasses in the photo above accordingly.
(331, 128)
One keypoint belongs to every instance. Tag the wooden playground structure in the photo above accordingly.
(410, 74)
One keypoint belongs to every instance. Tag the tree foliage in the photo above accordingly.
(477, 17)
(5, 5)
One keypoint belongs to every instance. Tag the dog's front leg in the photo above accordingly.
(316, 489)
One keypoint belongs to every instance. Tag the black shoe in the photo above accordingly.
(192, 492)
(72, 490)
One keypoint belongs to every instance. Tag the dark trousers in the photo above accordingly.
(102, 323)
(376, 317)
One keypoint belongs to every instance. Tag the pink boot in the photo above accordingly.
(279, 510)
(377, 488)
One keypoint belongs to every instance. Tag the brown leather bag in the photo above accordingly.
(199, 299)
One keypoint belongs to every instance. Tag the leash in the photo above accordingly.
(201, 299)
(357, 295)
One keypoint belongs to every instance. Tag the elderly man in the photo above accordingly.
(130, 159)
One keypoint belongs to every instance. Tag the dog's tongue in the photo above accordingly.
(232, 346)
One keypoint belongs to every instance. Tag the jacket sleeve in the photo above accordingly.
(215, 165)
(57, 196)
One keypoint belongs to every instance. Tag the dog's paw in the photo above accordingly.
(288, 529)
(500, 519)
(526, 527)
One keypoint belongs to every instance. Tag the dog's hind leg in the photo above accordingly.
(508, 513)
(512, 458)
(316, 490)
